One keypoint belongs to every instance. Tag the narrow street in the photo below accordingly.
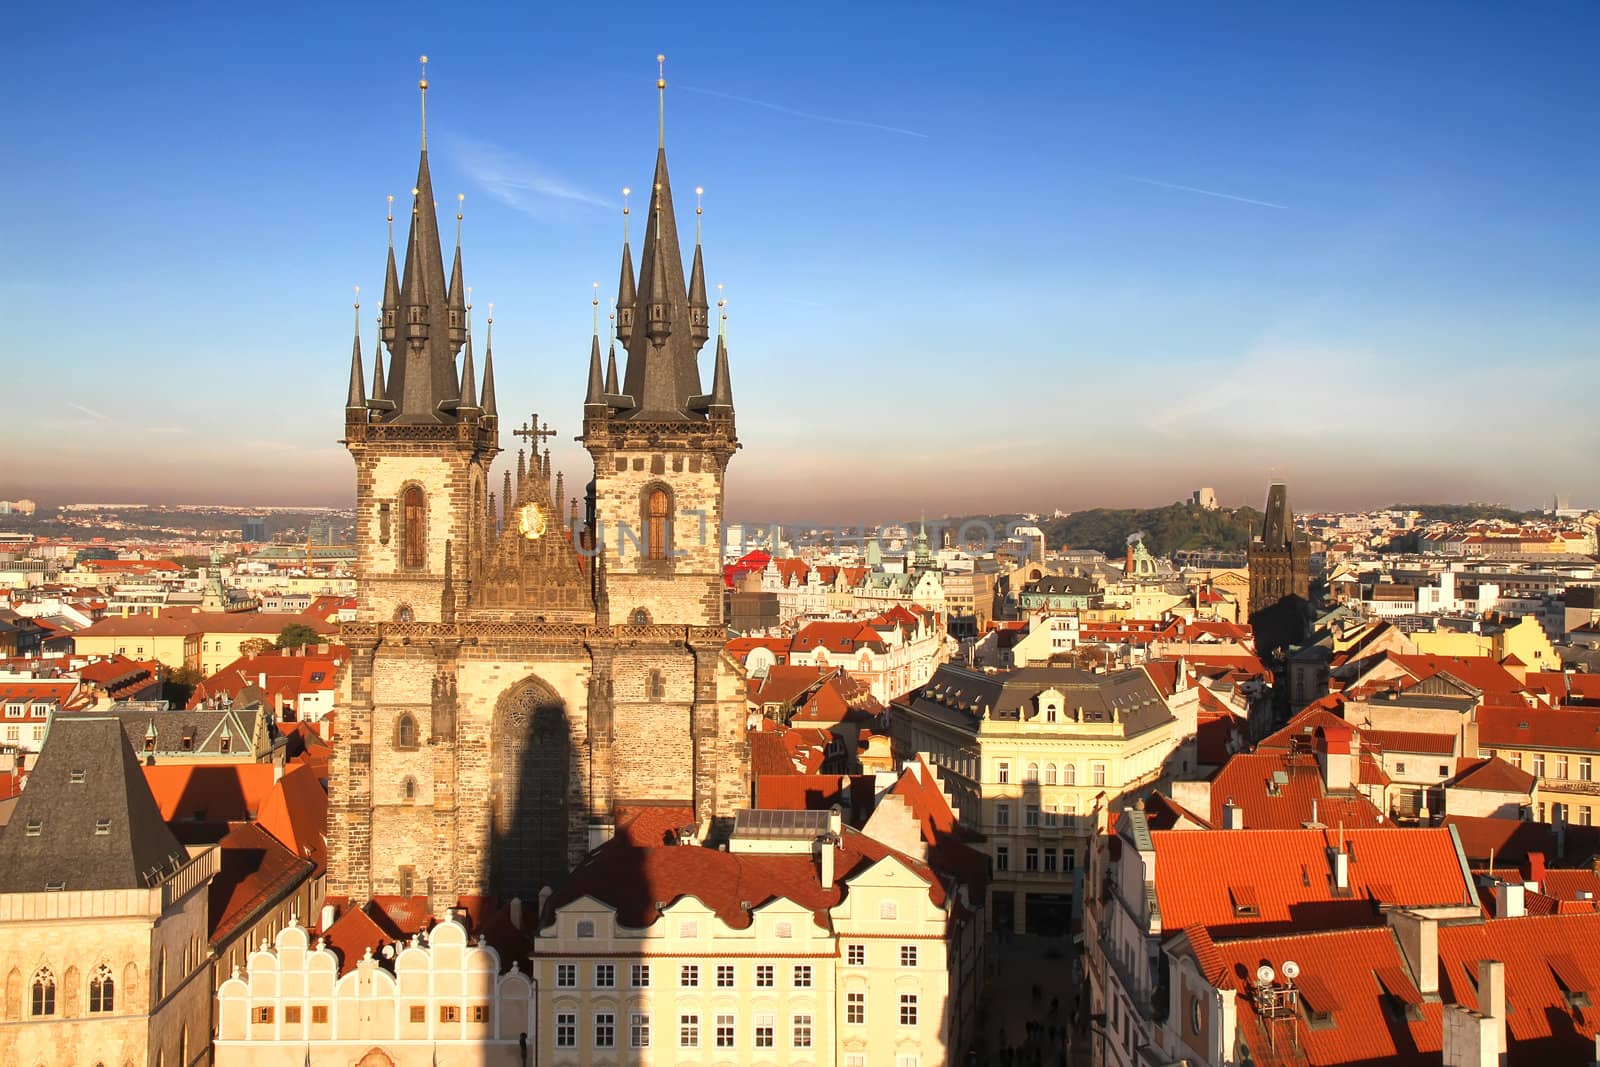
(1028, 1015)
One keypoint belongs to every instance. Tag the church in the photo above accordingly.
(527, 665)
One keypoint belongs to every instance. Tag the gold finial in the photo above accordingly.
(699, 191)
(626, 192)
(469, 298)
(595, 302)
(358, 310)
(461, 200)
(422, 83)
(661, 90)
(391, 220)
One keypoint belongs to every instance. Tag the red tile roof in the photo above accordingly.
(1569, 729)
(255, 873)
(818, 792)
(1545, 957)
(1249, 781)
(296, 813)
(209, 793)
(1345, 973)
(1290, 874)
(287, 675)
(1480, 672)
(1411, 742)
(1491, 774)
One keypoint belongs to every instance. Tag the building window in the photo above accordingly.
(319, 1014)
(449, 1013)
(102, 990)
(291, 1015)
(855, 955)
(688, 1031)
(1049, 860)
(640, 978)
(1031, 815)
(1002, 857)
(1400, 767)
(724, 1031)
(657, 507)
(566, 975)
(802, 1031)
(264, 1014)
(1003, 772)
(689, 976)
(1585, 769)
(405, 731)
(44, 992)
(1538, 764)
(1516, 760)
(908, 1009)
(855, 1008)
(764, 975)
(414, 526)
(1585, 815)
(1098, 774)
(766, 1031)
(408, 789)
(908, 955)
(605, 975)
(1561, 766)
(1030, 859)
(638, 1030)
(1049, 774)
(1002, 814)
(605, 1030)
(802, 976)
(419, 1013)
(566, 1029)
(585, 928)
(477, 1013)
(784, 929)
(1031, 774)
(724, 976)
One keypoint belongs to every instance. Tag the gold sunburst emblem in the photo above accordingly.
(531, 521)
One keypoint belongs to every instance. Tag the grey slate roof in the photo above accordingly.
(192, 731)
(1128, 697)
(86, 819)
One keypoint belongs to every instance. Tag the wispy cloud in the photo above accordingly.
(518, 182)
(1202, 192)
(91, 412)
(781, 109)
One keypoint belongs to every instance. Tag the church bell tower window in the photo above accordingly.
(656, 513)
(413, 521)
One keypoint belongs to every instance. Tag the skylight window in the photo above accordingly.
(77, 778)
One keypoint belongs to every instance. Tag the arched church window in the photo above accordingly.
(414, 526)
(102, 990)
(44, 992)
(404, 613)
(408, 789)
(405, 732)
(640, 617)
(657, 507)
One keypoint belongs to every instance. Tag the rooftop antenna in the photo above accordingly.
(661, 91)
(422, 83)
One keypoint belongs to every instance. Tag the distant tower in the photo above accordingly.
(1279, 562)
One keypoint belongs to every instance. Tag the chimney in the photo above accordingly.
(261, 681)
(1232, 816)
(1509, 898)
(1536, 869)
(279, 754)
(1341, 870)
(1492, 998)
(1469, 1039)
(329, 914)
(516, 912)
(1419, 941)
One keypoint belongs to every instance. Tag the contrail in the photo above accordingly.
(804, 114)
(91, 412)
(1203, 192)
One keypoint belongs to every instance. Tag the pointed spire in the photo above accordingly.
(456, 298)
(611, 370)
(627, 295)
(391, 290)
(596, 395)
(469, 383)
(380, 395)
(494, 516)
(522, 471)
(357, 400)
(663, 374)
(721, 385)
(488, 401)
(699, 321)
(506, 497)
(560, 490)
(423, 372)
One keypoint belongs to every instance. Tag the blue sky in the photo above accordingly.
(1027, 258)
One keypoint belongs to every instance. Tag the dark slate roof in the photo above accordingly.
(202, 726)
(86, 819)
(971, 695)
(1061, 585)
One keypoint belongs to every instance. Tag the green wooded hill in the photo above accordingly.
(1166, 530)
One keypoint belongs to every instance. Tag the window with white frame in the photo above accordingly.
(605, 1029)
(566, 1029)
(855, 1008)
(802, 976)
(638, 1030)
(640, 978)
(724, 976)
(566, 975)
(689, 976)
(908, 955)
(688, 1031)
(908, 1009)
(764, 973)
(855, 954)
(766, 1030)
(802, 1031)
(1098, 774)
(725, 1031)
(1003, 772)
(605, 975)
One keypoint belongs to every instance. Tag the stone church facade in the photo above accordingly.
(524, 665)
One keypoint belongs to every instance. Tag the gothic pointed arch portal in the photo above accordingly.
(531, 754)
(376, 1058)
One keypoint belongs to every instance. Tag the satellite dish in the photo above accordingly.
(1291, 970)
(1265, 974)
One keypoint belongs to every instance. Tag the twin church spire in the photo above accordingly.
(662, 319)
